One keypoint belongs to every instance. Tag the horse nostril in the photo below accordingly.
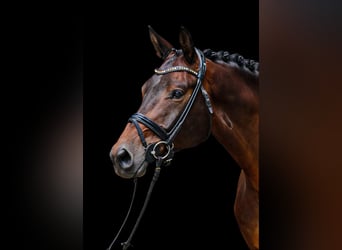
(124, 158)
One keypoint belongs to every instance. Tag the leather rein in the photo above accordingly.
(162, 152)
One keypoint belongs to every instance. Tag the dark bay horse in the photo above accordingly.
(191, 95)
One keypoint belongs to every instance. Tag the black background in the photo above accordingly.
(192, 203)
(102, 56)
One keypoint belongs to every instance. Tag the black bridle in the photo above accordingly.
(162, 151)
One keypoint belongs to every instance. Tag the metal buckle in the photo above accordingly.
(158, 154)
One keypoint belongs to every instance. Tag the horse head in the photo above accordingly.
(172, 116)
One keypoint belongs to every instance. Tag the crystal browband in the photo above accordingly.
(175, 69)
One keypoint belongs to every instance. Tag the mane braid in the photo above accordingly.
(250, 64)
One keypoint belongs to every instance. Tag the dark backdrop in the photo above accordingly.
(192, 203)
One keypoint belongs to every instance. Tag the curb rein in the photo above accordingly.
(155, 152)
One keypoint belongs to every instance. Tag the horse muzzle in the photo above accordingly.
(126, 163)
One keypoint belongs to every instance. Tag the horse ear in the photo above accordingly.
(161, 46)
(187, 45)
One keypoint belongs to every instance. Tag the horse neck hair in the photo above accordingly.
(245, 64)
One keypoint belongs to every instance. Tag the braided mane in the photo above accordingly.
(249, 64)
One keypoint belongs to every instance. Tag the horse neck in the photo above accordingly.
(235, 101)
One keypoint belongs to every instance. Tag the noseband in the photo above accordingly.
(163, 149)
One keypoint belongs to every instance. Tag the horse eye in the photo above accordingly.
(177, 93)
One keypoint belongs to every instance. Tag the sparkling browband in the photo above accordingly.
(175, 69)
